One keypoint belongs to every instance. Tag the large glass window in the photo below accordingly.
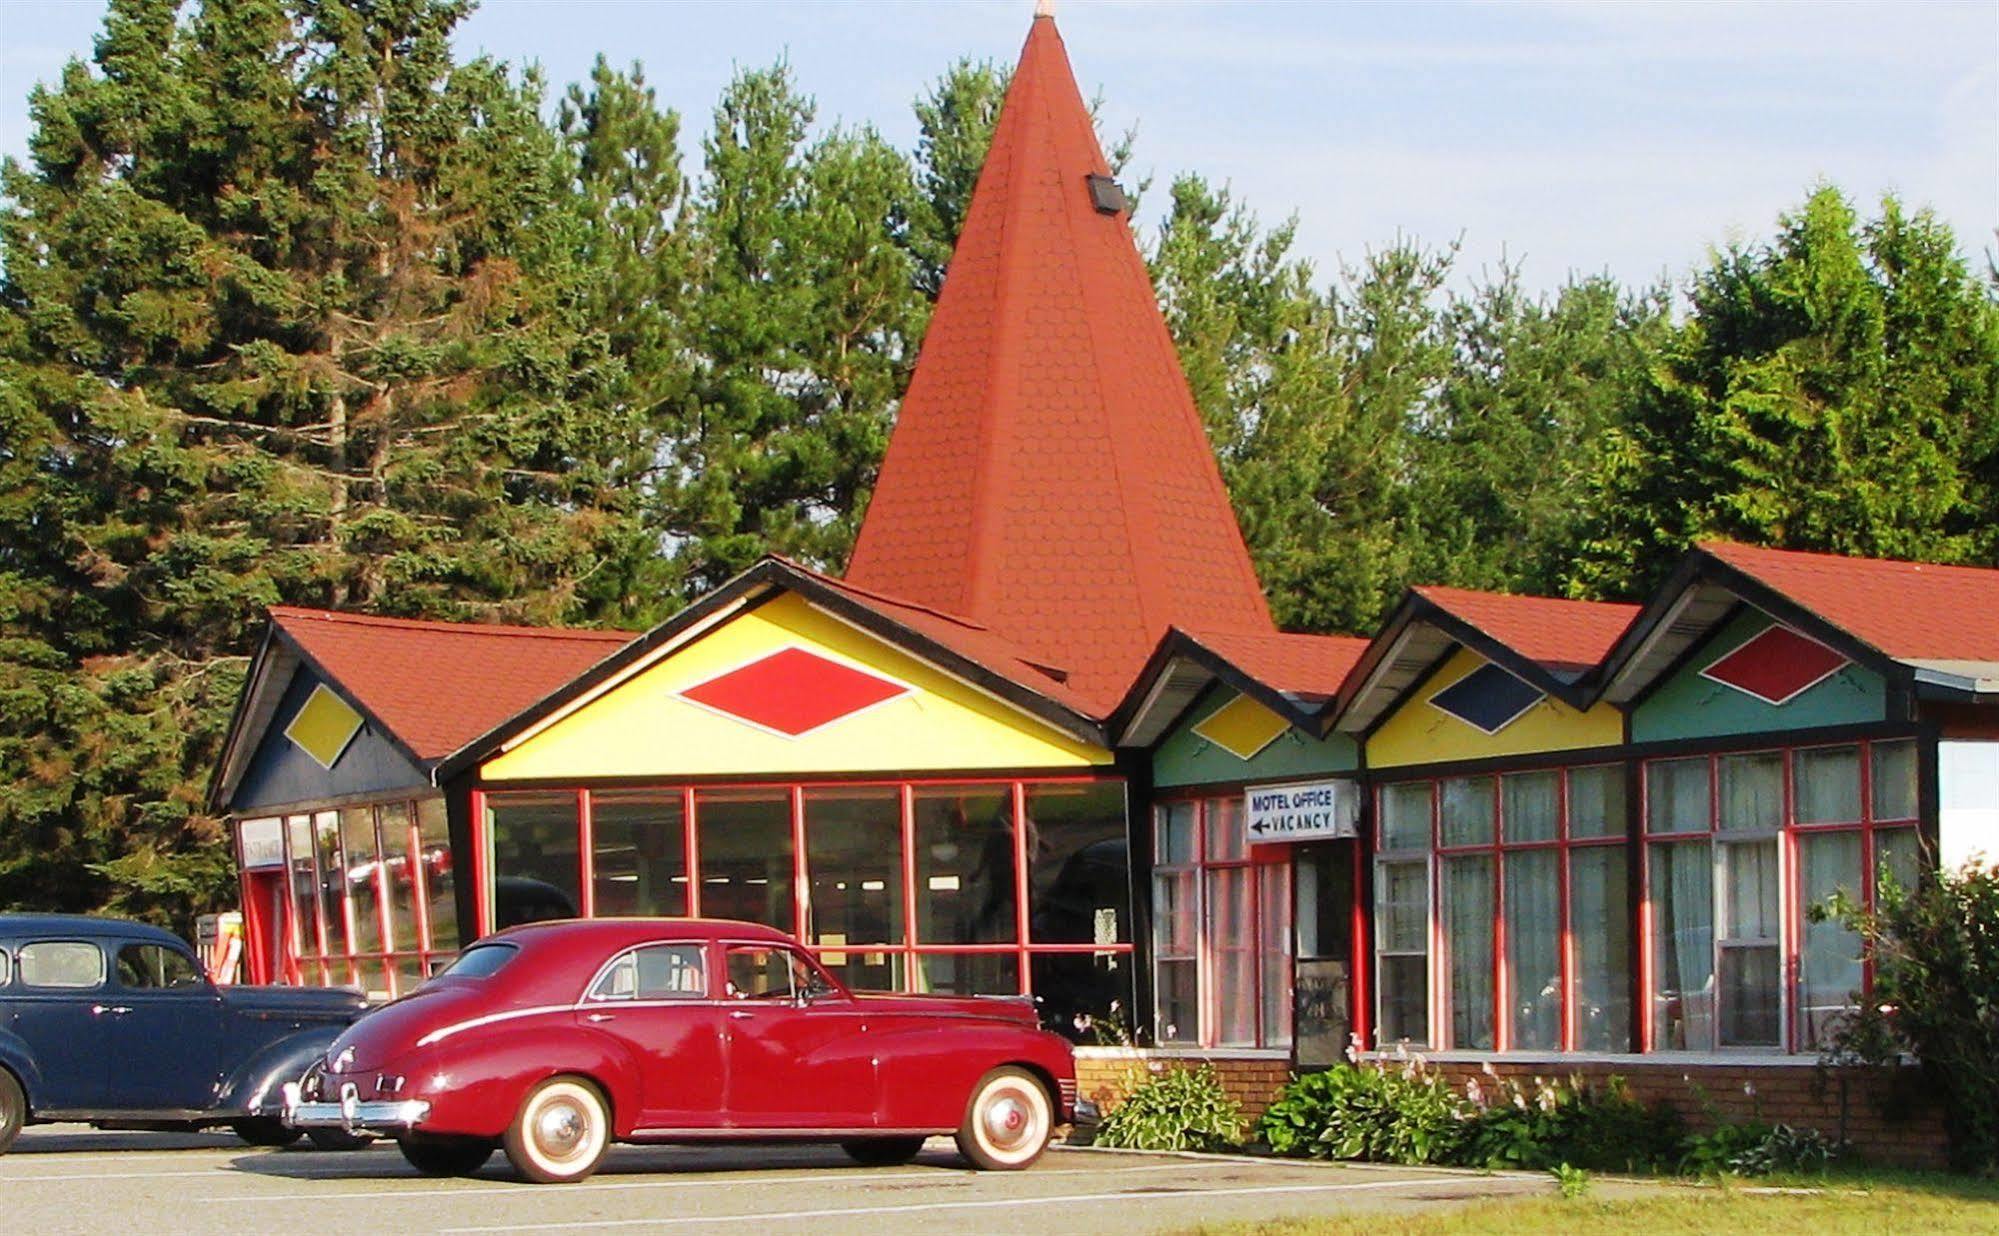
(853, 848)
(1079, 909)
(638, 844)
(536, 872)
(1222, 920)
(746, 856)
(1530, 915)
(965, 890)
(1734, 957)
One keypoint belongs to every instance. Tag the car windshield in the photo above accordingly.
(479, 961)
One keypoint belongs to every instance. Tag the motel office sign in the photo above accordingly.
(1304, 811)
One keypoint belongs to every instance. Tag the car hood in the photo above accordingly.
(336, 1004)
(1017, 1009)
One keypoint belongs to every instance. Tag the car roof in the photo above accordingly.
(16, 926)
(613, 932)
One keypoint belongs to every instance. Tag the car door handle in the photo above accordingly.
(740, 1014)
(116, 1010)
(600, 1017)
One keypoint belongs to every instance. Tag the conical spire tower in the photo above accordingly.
(1048, 475)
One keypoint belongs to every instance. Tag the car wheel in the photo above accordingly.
(13, 1110)
(266, 1131)
(1007, 1122)
(562, 1132)
(339, 1139)
(446, 1157)
(883, 1151)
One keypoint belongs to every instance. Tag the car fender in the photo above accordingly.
(475, 1082)
(257, 1086)
(18, 1060)
(926, 1077)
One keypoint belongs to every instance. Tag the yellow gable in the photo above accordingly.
(1422, 730)
(684, 716)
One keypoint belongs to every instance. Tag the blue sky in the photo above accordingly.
(1569, 136)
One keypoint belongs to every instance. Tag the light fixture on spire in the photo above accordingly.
(1044, 8)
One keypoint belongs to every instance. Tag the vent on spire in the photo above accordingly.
(1106, 196)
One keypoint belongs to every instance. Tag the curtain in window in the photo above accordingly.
(1829, 965)
(1825, 782)
(1274, 951)
(1676, 796)
(1682, 885)
(1531, 806)
(1751, 964)
(1533, 948)
(1464, 811)
(1752, 793)
(1233, 948)
(1600, 925)
(1894, 781)
(1596, 801)
(1402, 917)
(1468, 913)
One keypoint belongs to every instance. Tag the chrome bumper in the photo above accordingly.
(353, 1115)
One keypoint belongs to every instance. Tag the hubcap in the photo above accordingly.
(561, 1129)
(1007, 1121)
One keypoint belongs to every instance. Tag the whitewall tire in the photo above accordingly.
(1008, 1121)
(561, 1133)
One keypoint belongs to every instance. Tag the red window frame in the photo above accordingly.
(1563, 843)
(319, 948)
(1255, 862)
(1792, 909)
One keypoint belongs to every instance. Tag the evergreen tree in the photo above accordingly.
(293, 314)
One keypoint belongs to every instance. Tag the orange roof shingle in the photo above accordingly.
(1310, 666)
(438, 685)
(1909, 610)
(1558, 633)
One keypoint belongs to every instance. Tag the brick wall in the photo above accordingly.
(1912, 1136)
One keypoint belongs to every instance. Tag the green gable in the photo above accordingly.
(1690, 706)
(1185, 758)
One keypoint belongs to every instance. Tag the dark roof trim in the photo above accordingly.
(1178, 644)
(767, 577)
(233, 735)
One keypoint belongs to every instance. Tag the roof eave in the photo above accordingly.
(1140, 705)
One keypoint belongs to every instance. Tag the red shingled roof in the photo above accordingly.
(1049, 477)
(1560, 634)
(438, 685)
(1910, 610)
(1311, 666)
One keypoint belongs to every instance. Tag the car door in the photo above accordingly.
(654, 1000)
(61, 1008)
(798, 1051)
(165, 1030)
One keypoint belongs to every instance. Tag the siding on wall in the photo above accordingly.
(281, 774)
(1185, 758)
(1418, 732)
(1687, 705)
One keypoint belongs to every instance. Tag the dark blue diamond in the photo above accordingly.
(1488, 698)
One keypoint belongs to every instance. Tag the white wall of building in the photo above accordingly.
(1967, 802)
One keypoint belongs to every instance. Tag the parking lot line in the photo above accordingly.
(834, 1212)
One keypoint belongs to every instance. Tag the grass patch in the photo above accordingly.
(1856, 1203)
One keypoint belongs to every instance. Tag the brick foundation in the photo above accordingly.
(1912, 1136)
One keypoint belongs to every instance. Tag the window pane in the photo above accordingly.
(440, 888)
(964, 866)
(357, 842)
(155, 967)
(332, 876)
(1596, 801)
(1898, 855)
(1402, 907)
(1749, 996)
(1174, 914)
(1405, 1001)
(1682, 894)
(1274, 914)
(1894, 781)
(853, 853)
(867, 970)
(1464, 811)
(1179, 1002)
(970, 974)
(1599, 920)
(745, 855)
(1468, 909)
(61, 963)
(1532, 807)
(1676, 796)
(1829, 967)
(1752, 793)
(639, 844)
(1222, 819)
(1078, 868)
(1402, 916)
(656, 972)
(1232, 946)
(1173, 840)
(394, 821)
(1534, 948)
(1826, 781)
(1749, 891)
(534, 857)
(304, 898)
(1405, 816)
(758, 973)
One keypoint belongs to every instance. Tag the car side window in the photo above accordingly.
(655, 972)
(761, 973)
(6, 967)
(61, 963)
(149, 967)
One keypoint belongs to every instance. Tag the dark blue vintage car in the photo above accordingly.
(115, 1024)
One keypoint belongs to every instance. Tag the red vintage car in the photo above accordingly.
(556, 1039)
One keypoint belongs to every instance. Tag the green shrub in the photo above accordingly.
(1756, 1150)
(1180, 1109)
(1568, 1122)
(1389, 1113)
(1572, 1182)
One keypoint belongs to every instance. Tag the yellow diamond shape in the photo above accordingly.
(323, 728)
(1242, 727)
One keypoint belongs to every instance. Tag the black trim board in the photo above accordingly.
(1087, 772)
(1180, 644)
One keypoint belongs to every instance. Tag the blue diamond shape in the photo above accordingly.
(1488, 698)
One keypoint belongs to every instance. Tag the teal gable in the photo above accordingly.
(1688, 705)
(1184, 758)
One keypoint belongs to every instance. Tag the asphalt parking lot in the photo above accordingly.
(61, 1179)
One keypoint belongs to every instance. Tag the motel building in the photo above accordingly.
(1043, 738)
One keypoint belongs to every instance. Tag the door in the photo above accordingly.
(164, 1032)
(798, 1051)
(1322, 987)
(654, 1001)
(61, 1005)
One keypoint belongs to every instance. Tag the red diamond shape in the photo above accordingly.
(1776, 665)
(792, 691)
